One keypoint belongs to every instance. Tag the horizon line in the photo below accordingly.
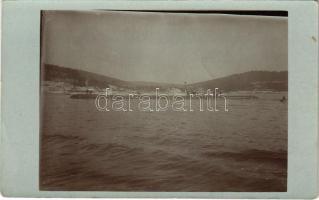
(172, 83)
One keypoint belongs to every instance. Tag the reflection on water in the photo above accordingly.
(244, 149)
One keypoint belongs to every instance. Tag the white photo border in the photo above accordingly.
(20, 94)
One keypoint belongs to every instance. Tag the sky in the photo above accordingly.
(164, 47)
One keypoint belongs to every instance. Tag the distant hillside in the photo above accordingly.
(78, 77)
(81, 78)
(260, 80)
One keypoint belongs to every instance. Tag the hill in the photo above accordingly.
(253, 80)
(260, 80)
(82, 78)
(77, 77)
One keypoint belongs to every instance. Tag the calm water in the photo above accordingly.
(244, 149)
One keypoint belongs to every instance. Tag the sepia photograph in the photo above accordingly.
(163, 101)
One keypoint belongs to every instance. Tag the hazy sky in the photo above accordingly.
(164, 47)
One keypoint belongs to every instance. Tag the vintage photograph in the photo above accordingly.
(164, 101)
